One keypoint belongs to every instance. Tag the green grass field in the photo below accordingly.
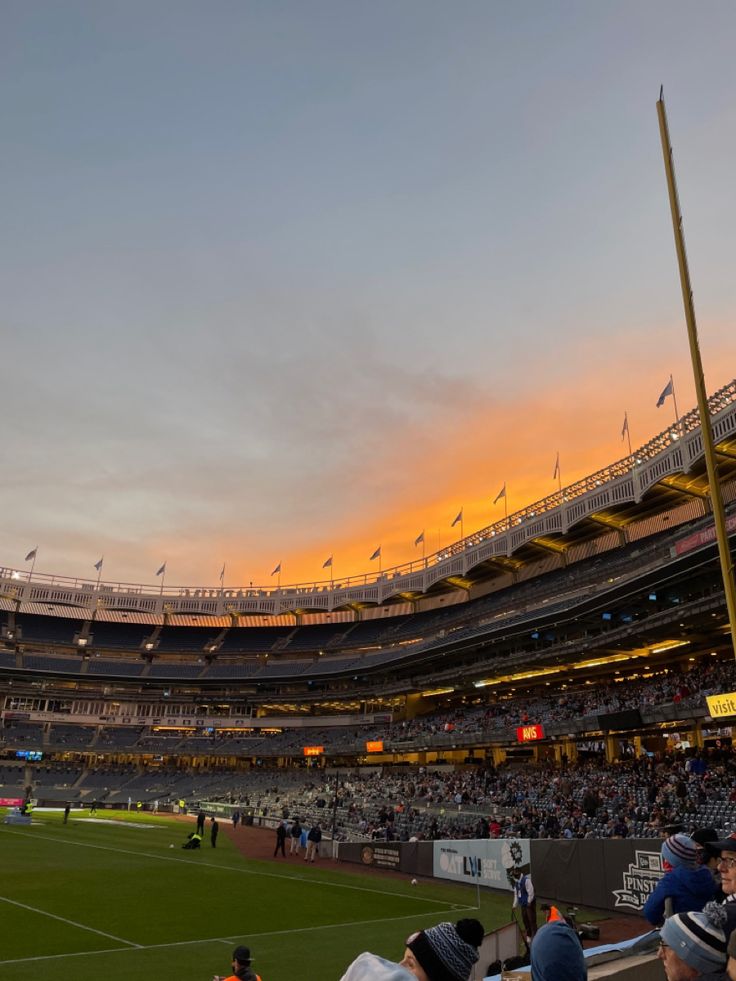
(96, 899)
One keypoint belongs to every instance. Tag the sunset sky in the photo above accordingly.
(295, 279)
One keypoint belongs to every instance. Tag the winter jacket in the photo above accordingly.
(689, 889)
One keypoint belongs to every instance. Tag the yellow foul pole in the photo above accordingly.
(706, 429)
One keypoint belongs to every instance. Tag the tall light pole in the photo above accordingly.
(706, 430)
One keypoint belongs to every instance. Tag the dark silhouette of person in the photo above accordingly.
(214, 831)
(280, 839)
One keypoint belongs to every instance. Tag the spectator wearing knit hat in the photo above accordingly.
(444, 952)
(556, 954)
(693, 945)
(685, 886)
(441, 953)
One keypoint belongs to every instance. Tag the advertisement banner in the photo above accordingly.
(490, 861)
(721, 706)
(525, 734)
(704, 537)
(616, 874)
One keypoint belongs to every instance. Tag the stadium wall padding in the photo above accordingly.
(616, 875)
(613, 874)
(411, 857)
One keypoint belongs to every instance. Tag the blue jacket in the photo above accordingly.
(690, 889)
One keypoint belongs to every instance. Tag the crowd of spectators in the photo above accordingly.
(548, 704)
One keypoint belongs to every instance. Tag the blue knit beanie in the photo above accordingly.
(680, 850)
(557, 954)
(698, 939)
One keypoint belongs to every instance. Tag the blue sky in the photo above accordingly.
(282, 280)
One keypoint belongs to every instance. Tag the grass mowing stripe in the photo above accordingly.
(213, 940)
(62, 919)
(227, 868)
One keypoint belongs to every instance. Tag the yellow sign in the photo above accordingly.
(720, 706)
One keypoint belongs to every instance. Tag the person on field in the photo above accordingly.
(241, 967)
(194, 840)
(280, 839)
(214, 831)
(313, 839)
(296, 836)
(67, 809)
(525, 899)
(685, 886)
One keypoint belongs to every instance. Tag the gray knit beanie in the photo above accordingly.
(698, 939)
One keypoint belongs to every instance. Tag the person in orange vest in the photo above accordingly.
(554, 916)
(241, 967)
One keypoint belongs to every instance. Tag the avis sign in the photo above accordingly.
(528, 734)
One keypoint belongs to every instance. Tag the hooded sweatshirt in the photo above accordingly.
(689, 888)
(370, 967)
(557, 954)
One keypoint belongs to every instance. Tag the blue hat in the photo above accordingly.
(556, 954)
(680, 850)
(698, 939)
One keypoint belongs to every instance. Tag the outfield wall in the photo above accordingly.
(611, 874)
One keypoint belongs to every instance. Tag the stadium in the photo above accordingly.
(546, 678)
(290, 282)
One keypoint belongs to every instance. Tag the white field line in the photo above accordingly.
(63, 919)
(226, 868)
(225, 940)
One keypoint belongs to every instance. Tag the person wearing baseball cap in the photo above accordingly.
(241, 967)
(725, 849)
(702, 837)
(685, 886)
